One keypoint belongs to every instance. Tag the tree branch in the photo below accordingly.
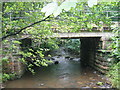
(4, 37)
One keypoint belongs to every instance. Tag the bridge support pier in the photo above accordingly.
(103, 60)
(95, 53)
(13, 65)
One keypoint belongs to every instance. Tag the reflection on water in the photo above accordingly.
(66, 74)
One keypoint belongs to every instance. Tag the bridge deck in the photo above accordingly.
(82, 34)
(77, 35)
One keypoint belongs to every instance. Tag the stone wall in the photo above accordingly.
(103, 61)
(13, 64)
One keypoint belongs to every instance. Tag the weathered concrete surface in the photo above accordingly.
(83, 34)
(104, 35)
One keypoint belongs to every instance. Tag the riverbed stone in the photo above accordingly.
(53, 58)
(71, 58)
(67, 57)
(56, 62)
(41, 84)
(76, 59)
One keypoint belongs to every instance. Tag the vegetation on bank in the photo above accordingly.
(26, 18)
(114, 75)
(114, 71)
(73, 46)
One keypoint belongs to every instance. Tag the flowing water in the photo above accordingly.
(68, 73)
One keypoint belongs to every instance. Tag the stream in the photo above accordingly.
(67, 73)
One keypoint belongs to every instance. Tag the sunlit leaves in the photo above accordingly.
(53, 8)
(44, 64)
(115, 45)
(49, 8)
(113, 75)
(67, 5)
(57, 11)
(89, 26)
(92, 2)
(17, 42)
(21, 19)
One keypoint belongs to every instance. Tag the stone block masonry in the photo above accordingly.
(95, 53)
(13, 65)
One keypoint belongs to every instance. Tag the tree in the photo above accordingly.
(53, 8)
(80, 15)
(22, 18)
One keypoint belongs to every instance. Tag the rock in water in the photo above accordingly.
(71, 58)
(41, 84)
(67, 57)
(56, 62)
(53, 58)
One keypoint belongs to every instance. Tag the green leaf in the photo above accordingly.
(100, 83)
(17, 42)
(49, 8)
(67, 5)
(89, 26)
(92, 2)
(5, 58)
(57, 11)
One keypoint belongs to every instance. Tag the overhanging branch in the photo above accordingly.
(15, 33)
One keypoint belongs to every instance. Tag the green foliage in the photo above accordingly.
(17, 15)
(78, 15)
(49, 44)
(35, 56)
(116, 45)
(14, 14)
(5, 59)
(100, 83)
(0, 77)
(114, 75)
(7, 77)
(73, 46)
(82, 18)
(53, 8)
